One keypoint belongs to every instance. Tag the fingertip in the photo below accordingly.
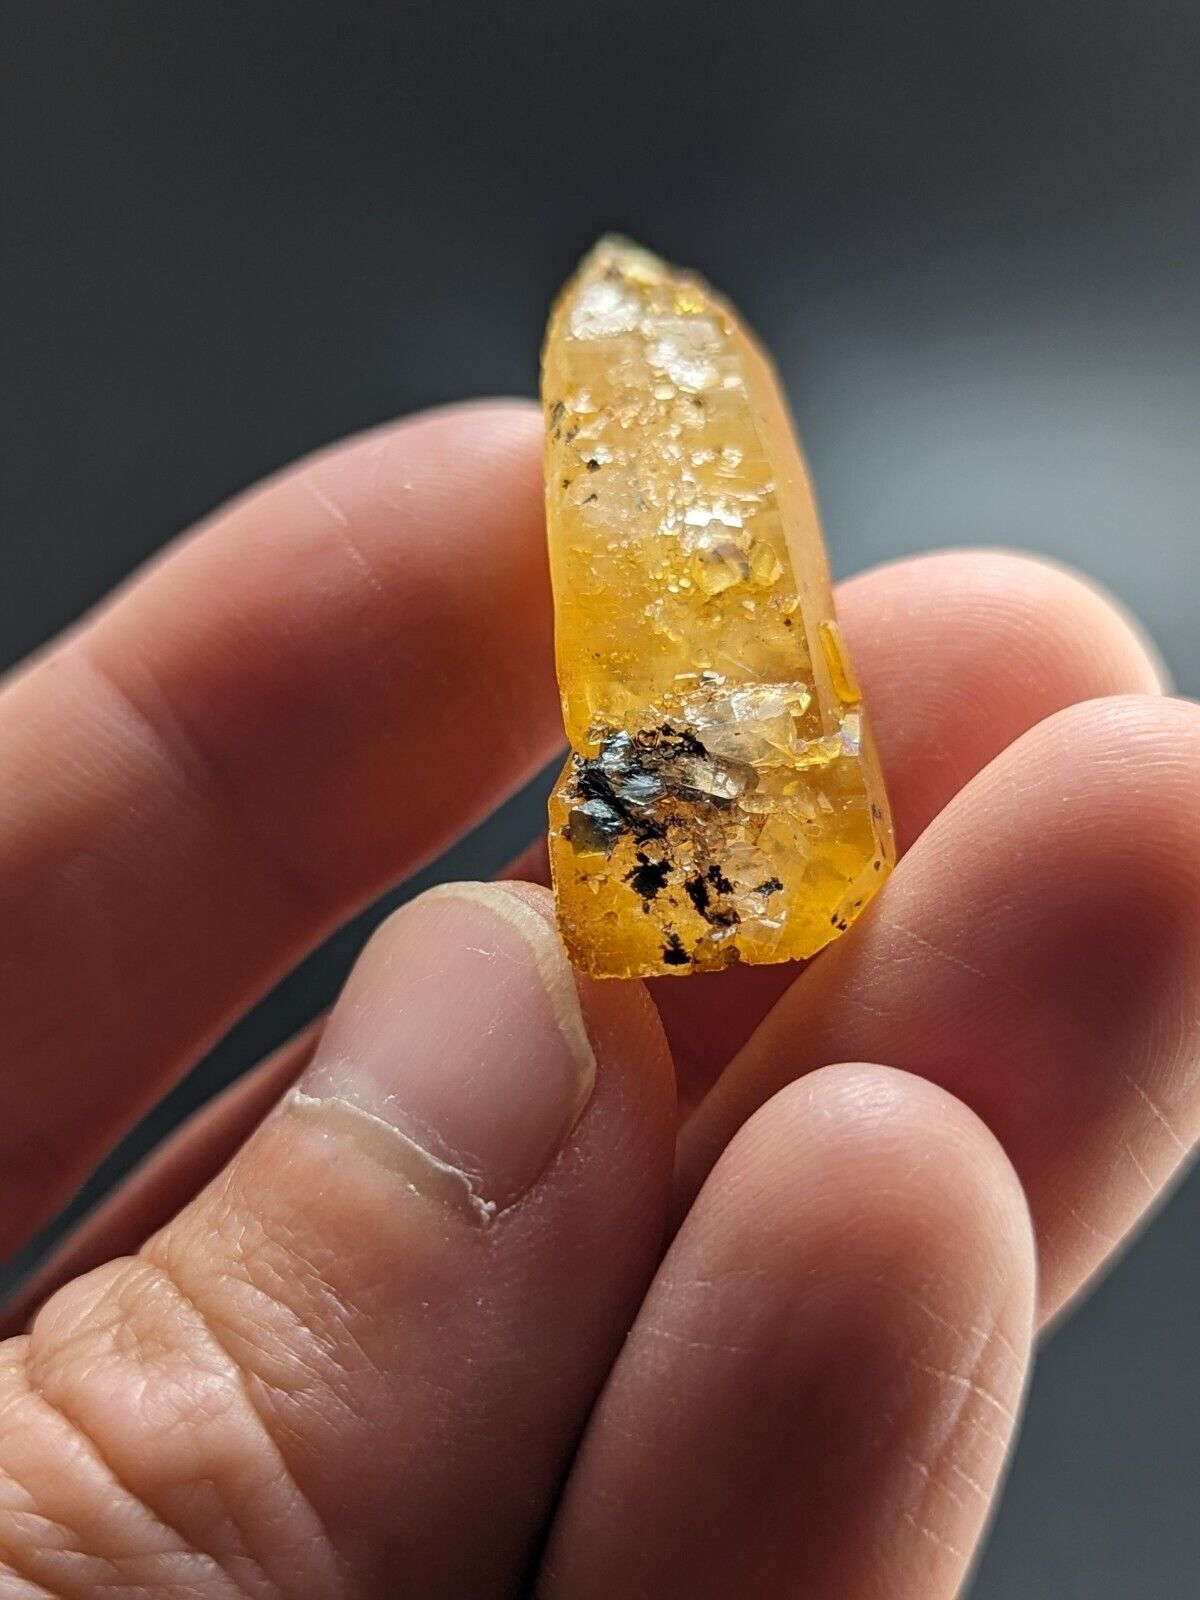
(1135, 659)
(1036, 608)
(994, 642)
(819, 1155)
(619, 1016)
(831, 1360)
(433, 458)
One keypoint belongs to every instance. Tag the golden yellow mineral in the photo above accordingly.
(722, 800)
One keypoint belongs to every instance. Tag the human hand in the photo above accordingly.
(364, 1359)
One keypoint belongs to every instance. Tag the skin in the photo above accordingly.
(538, 1285)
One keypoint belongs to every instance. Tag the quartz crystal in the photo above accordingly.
(722, 800)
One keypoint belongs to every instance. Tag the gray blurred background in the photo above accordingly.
(970, 232)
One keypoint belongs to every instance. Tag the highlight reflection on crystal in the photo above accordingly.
(722, 800)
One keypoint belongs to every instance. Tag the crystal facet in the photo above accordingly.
(722, 800)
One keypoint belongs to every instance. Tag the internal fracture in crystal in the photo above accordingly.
(722, 800)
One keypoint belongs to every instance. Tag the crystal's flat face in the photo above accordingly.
(722, 801)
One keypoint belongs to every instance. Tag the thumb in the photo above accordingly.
(365, 1349)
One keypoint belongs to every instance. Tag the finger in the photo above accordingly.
(299, 704)
(959, 654)
(963, 651)
(1038, 954)
(820, 1389)
(171, 1175)
(387, 1320)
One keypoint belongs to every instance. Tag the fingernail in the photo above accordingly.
(457, 1054)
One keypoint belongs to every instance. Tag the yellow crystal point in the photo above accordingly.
(722, 800)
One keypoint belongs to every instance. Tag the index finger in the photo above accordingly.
(300, 703)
